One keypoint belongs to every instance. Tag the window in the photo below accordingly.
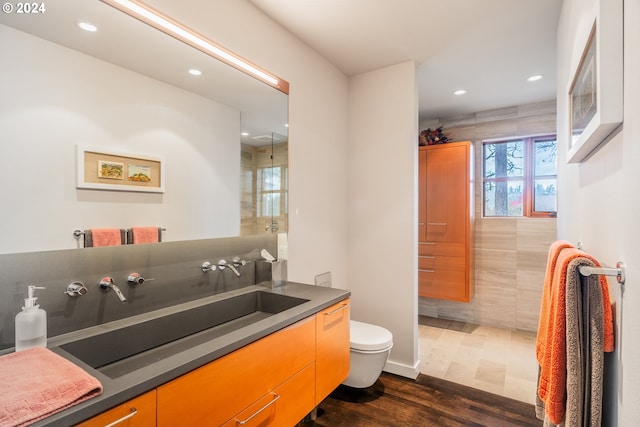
(271, 186)
(520, 177)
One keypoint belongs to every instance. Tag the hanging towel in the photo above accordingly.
(36, 383)
(104, 237)
(551, 344)
(138, 235)
(545, 309)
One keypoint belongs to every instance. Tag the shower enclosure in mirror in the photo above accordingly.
(129, 87)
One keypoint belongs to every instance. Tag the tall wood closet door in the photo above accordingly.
(445, 264)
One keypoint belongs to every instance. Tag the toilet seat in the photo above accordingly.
(367, 337)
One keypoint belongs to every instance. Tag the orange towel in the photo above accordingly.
(543, 325)
(145, 235)
(551, 349)
(106, 236)
(36, 383)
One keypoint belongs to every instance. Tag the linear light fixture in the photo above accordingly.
(175, 29)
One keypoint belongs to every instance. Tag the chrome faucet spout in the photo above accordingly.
(222, 264)
(107, 283)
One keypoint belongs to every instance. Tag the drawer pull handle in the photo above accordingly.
(243, 422)
(426, 271)
(439, 224)
(342, 307)
(426, 243)
(426, 256)
(132, 412)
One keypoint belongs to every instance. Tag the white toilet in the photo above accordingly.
(370, 348)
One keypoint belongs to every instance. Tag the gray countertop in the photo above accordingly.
(190, 353)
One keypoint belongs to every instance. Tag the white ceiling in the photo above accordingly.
(488, 47)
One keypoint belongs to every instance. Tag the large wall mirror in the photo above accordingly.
(127, 88)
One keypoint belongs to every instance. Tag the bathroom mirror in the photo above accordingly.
(127, 88)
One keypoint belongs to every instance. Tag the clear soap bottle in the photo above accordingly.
(31, 323)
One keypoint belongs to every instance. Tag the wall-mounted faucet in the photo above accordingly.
(222, 264)
(107, 283)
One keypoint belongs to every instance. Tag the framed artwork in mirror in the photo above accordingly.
(100, 169)
(595, 88)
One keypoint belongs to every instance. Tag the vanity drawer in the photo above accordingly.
(137, 412)
(214, 393)
(442, 248)
(447, 284)
(284, 406)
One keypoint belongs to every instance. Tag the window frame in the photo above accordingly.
(528, 177)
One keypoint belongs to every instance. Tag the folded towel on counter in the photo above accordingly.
(104, 237)
(138, 235)
(36, 383)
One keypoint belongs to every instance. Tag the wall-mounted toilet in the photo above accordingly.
(370, 348)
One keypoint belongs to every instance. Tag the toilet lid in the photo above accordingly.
(369, 337)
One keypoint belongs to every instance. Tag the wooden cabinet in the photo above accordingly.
(274, 381)
(138, 412)
(332, 348)
(445, 216)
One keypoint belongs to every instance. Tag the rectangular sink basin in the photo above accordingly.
(124, 350)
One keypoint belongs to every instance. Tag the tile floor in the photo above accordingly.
(499, 361)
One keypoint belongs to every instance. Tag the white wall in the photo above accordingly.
(599, 203)
(383, 129)
(54, 98)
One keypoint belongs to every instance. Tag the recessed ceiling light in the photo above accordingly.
(245, 134)
(87, 26)
(460, 92)
(195, 72)
(535, 77)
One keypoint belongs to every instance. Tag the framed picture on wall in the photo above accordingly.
(100, 169)
(595, 87)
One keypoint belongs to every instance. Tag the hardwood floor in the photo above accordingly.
(395, 401)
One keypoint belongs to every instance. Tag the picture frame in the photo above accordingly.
(101, 169)
(595, 87)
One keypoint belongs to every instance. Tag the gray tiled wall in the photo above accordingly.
(174, 266)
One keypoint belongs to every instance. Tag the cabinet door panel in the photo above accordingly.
(446, 284)
(446, 187)
(332, 348)
(285, 406)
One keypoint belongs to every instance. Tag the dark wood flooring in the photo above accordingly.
(395, 401)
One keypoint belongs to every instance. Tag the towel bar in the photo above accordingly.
(78, 233)
(619, 271)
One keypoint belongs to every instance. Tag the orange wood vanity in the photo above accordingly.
(274, 381)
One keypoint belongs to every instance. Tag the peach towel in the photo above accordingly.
(551, 351)
(106, 236)
(36, 383)
(145, 235)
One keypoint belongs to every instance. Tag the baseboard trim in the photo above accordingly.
(403, 370)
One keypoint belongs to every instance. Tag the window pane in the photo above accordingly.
(271, 179)
(505, 159)
(503, 198)
(267, 204)
(544, 198)
(545, 158)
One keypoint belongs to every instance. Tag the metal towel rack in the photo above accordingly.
(618, 272)
(78, 233)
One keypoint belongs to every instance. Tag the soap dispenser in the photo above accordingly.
(31, 323)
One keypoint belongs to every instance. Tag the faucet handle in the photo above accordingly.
(76, 289)
(207, 266)
(136, 279)
(239, 262)
(106, 282)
